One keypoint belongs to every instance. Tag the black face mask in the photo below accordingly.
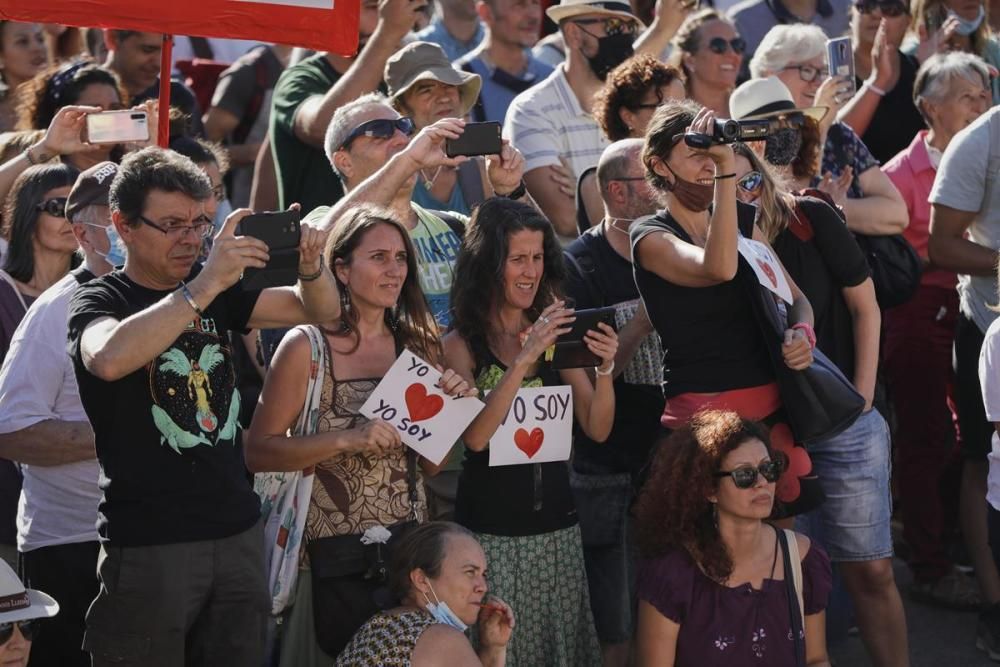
(612, 51)
(782, 147)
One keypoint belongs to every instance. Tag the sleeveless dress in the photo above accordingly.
(525, 520)
(386, 639)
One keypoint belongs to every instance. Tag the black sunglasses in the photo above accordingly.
(719, 45)
(29, 630)
(380, 128)
(746, 476)
(612, 26)
(55, 207)
(891, 9)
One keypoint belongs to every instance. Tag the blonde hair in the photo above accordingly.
(775, 206)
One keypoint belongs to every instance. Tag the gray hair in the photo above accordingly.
(155, 168)
(344, 120)
(93, 214)
(784, 44)
(936, 76)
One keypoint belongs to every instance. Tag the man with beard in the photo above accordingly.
(504, 59)
(308, 93)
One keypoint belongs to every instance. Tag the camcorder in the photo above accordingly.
(731, 131)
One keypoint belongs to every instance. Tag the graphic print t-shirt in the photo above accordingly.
(437, 248)
(167, 435)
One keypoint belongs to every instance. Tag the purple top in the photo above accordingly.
(731, 627)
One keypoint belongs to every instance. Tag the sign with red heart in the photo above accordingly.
(410, 398)
(538, 427)
(766, 266)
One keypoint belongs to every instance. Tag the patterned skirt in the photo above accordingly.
(543, 579)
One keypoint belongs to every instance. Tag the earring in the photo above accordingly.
(715, 515)
(345, 307)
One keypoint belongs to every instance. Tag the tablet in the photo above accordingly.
(570, 350)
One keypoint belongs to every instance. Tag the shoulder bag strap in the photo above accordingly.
(470, 181)
(10, 281)
(793, 570)
(309, 417)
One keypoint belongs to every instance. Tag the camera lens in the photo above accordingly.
(727, 130)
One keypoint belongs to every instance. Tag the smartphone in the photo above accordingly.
(571, 351)
(840, 56)
(281, 231)
(116, 127)
(477, 139)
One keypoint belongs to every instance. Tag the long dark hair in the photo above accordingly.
(412, 322)
(673, 509)
(477, 287)
(21, 215)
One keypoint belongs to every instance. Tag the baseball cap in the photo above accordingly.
(92, 187)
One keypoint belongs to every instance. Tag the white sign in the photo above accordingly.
(767, 267)
(410, 398)
(538, 428)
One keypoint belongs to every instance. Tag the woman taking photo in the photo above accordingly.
(694, 281)
(713, 583)
(438, 575)
(506, 313)
(365, 478)
(709, 51)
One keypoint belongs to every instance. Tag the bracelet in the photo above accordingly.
(516, 193)
(312, 276)
(724, 176)
(186, 293)
(597, 369)
(807, 329)
(31, 158)
(875, 89)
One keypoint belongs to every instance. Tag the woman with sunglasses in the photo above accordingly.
(709, 51)
(21, 618)
(714, 590)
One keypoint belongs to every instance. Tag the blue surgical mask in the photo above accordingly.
(115, 256)
(442, 613)
(967, 27)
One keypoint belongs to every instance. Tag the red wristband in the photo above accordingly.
(806, 328)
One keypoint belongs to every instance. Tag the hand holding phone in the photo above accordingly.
(840, 56)
(117, 127)
(576, 348)
(477, 139)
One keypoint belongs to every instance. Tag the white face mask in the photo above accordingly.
(442, 613)
(965, 26)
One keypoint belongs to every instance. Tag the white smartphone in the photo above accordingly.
(116, 127)
(840, 57)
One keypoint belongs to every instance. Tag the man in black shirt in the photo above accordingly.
(182, 563)
(599, 265)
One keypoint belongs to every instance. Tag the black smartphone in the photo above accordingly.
(477, 139)
(281, 232)
(571, 351)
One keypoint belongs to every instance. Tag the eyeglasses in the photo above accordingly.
(55, 207)
(750, 182)
(808, 73)
(746, 476)
(612, 26)
(890, 9)
(201, 226)
(380, 128)
(28, 630)
(719, 45)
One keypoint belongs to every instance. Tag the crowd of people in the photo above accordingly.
(799, 268)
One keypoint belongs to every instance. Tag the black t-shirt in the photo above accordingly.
(598, 277)
(711, 339)
(822, 264)
(167, 435)
(896, 120)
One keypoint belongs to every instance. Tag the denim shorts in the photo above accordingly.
(854, 469)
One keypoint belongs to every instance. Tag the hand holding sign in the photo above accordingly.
(538, 428)
(428, 409)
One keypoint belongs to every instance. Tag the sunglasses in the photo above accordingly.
(612, 26)
(750, 182)
(891, 9)
(29, 630)
(808, 73)
(380, 128)
(55, 207)
(746, 476)
(719, 45)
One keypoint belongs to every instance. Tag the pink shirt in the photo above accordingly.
(912, 173)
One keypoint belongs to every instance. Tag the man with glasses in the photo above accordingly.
(181, 563)
(44, 428)
(754, 18)
(599, 274)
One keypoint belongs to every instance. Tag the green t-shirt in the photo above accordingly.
(303, 172)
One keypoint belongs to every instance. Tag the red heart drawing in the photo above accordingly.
(529, 443)
(420, 405)
(769, 271)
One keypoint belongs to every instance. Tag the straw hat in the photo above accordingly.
(570, 8)
(422, 61)
(763, 98)
(20, 604)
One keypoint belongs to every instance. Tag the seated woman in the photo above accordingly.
(438, 574)
(713, 586)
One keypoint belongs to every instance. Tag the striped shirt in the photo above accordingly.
(546, 123)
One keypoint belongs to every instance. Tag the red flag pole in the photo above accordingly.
(163, 130)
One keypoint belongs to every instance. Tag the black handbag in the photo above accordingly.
(895, 266)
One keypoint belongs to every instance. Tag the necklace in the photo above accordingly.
(612, 224)
(429, 182)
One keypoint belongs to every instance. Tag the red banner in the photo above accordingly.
(323, 25)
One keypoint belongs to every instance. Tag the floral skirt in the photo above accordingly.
(543, 579)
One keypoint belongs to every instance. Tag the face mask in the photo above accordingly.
(222, 212)
(115, 256)
(612, 51)
(967, 27)
(782, 147)
(442, 613)
(692, 196)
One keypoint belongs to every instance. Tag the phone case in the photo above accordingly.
(477, 139)
(840, 57)
(570, 350)
(282, 233)
(282, 270)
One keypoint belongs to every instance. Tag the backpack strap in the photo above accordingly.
(586, 269)
(478, 110)
(470, 180)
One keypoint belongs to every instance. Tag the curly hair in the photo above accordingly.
(412, 322)
(40, 98)
(673, 509)
(477, 287)
(624, 88)
(806, 163)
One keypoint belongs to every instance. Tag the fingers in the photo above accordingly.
(229, 226)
